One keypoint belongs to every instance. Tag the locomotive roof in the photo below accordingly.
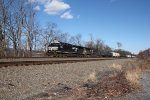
(56, 41)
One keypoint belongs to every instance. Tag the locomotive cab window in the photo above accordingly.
(54, 44)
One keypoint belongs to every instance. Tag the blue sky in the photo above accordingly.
(125, 21)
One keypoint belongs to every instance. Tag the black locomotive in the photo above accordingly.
(61, 49)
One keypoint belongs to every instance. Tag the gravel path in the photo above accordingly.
(20, 82)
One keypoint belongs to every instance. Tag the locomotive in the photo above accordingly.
(61, 49)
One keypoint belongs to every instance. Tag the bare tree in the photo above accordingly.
(16, 21)
(99, 45)
(30, 22)
(4, 10)
(1, 35)
(12, 35)
(2, 45)
(76, 40)
(72, 40)
(50, 33)
(20, 18)
(90, 44)
(64, 37)
(14, 26)
(107, 48)
(37, 37)
(13, 22)
(119, 45)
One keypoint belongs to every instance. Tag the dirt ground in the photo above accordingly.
(68, 81)
(20, 82)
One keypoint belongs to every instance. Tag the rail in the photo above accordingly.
(26, 62)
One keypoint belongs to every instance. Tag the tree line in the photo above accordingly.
(145, 54)
(21, 34)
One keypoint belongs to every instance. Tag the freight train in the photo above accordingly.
(61, 49)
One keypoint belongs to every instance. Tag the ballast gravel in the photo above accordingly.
(20, 82)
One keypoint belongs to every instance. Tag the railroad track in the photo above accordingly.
(37, 61)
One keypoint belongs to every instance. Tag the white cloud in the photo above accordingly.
(37, 8)
(56, 7)
(67, 15)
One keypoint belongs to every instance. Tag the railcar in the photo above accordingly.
(115, 54)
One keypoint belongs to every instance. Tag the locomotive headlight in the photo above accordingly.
(74, 48)
(49, 48)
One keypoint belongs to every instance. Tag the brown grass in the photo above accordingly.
(144, 65)
(91, 78)
(132, 73)
(117, 67)
(133, 76)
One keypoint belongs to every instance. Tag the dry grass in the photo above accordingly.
(144, 65)
(91, 78)
(132, 72)
(117, 67)
(133, 76)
